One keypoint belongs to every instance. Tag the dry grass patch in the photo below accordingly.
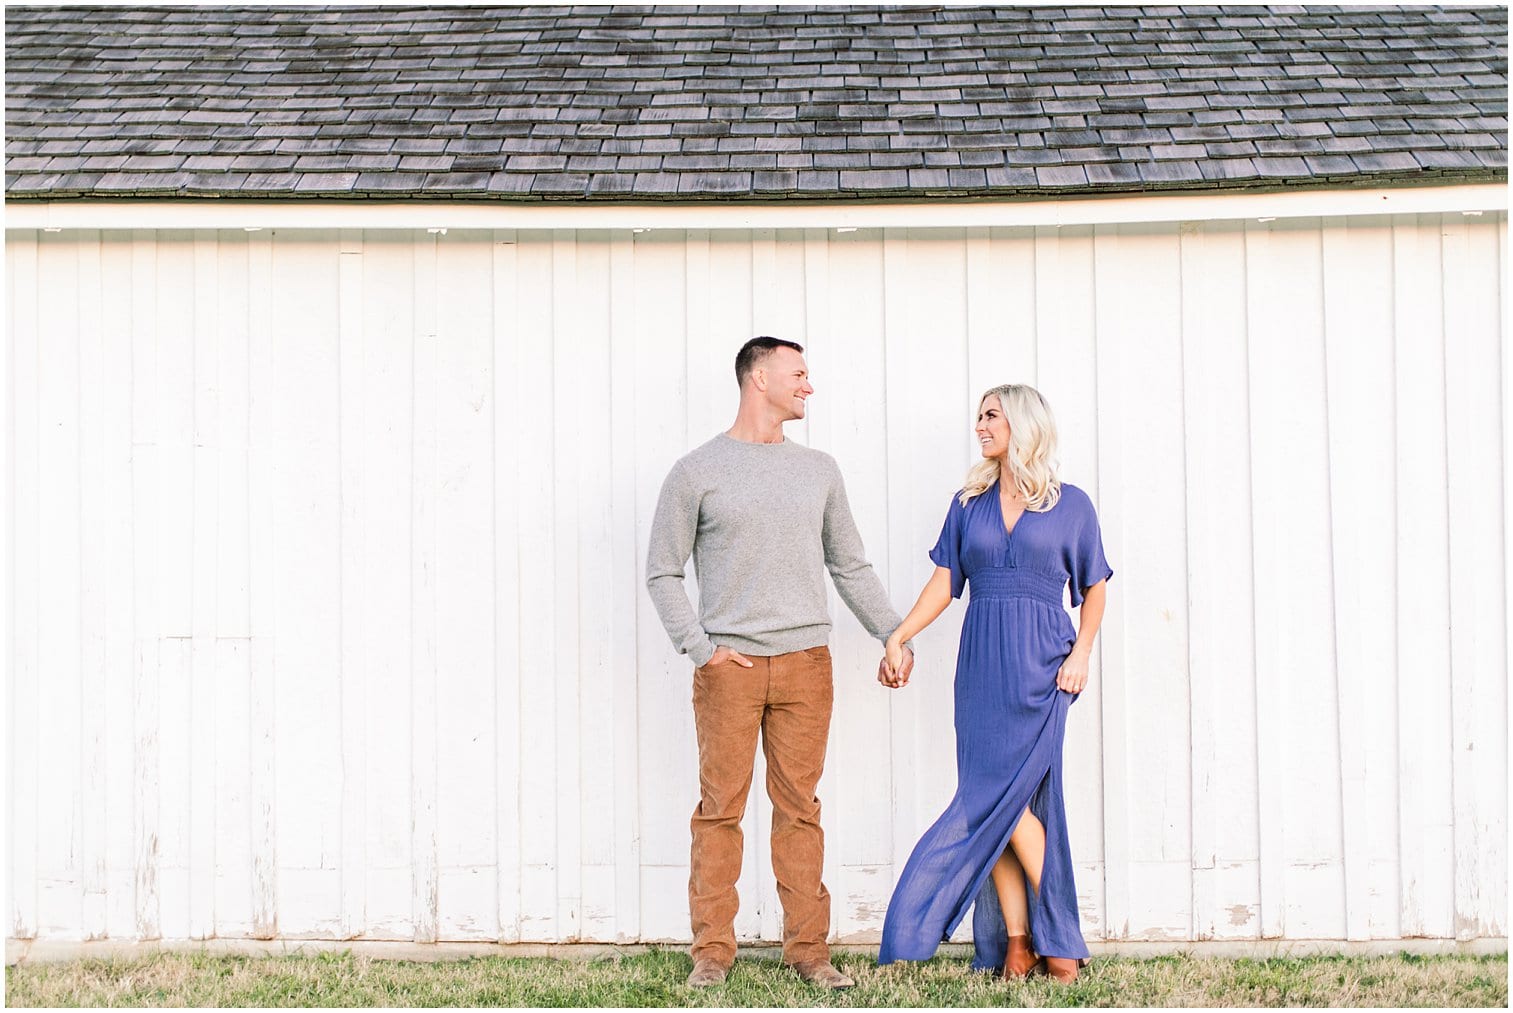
(656, 979)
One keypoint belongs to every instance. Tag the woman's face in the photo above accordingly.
(992, 428)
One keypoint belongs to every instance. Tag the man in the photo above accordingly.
(760, 515)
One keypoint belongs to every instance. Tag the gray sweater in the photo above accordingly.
(763, 522)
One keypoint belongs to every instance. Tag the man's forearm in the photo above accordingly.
(854, 577)
(679, 618)
(673, 528)
(867, 599)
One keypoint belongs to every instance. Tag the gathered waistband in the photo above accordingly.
(1016, 582)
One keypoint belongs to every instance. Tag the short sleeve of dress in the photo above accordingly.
(1088, 564)
(947, 551)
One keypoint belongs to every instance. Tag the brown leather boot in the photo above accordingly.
(822, 973)
(707, 973)
(1021, 959)
(1062, 969)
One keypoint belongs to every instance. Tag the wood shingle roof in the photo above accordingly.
(693, 103)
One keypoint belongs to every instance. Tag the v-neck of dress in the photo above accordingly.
(1003, 523)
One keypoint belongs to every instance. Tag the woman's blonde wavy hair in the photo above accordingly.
(1031, 460)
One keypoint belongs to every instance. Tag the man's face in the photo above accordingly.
(787, 382)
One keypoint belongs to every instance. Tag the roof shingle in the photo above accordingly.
(698, 103)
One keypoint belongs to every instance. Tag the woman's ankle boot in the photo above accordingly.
(1021, 960)
(1062, 969)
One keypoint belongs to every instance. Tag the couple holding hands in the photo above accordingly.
(764, 518)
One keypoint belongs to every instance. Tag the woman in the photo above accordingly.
(1018, 535)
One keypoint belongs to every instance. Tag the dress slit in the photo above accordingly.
(983, 881)
(932, 897)
(989, 932)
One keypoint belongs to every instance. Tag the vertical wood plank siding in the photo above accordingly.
(326, 615)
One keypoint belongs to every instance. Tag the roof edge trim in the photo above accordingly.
(345, 214)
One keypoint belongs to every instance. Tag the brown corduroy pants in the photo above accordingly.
(787, 698)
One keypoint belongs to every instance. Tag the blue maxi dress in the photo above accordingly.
(1010, 721)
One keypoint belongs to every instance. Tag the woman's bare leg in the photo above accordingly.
(1008, 883)
(1028, 845)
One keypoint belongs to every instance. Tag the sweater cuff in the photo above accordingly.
(701, 653)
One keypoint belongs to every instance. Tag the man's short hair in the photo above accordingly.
(755, 351)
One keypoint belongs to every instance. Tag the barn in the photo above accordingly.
(348, 348)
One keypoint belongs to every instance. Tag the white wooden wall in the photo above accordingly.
(326, 615)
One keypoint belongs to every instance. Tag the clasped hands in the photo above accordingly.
(897, 664)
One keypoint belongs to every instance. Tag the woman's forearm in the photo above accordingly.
(933, 600)
(1090, 616)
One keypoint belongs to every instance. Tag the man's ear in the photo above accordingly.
(759, 379)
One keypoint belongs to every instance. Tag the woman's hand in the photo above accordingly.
(723, 654)
(1072, 676)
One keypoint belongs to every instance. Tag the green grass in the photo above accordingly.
(656, 979)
